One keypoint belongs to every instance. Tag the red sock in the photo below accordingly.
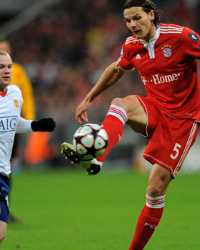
(147, 221)
(114, 125)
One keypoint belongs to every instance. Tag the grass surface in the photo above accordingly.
(72, 211)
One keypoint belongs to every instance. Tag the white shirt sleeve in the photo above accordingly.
(23, 126)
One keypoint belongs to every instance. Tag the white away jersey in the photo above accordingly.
(10, 109)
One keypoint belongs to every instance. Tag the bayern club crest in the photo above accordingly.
(194, 37)
(167, 52)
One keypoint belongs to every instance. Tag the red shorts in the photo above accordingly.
(170, 139)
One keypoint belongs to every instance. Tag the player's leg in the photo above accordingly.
(150, 215)
(4, 209)
(12, 217)
(14, 165)
(4, 214)
(164, 150)
(3, 229)
(121, 110)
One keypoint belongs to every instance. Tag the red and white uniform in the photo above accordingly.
(167, 66)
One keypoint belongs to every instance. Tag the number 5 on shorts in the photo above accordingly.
(176, 151)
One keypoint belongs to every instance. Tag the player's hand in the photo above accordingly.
(81, 115)
(45, 124)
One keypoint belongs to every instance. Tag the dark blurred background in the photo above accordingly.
(64, 45)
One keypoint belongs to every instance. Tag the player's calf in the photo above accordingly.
(3, 226)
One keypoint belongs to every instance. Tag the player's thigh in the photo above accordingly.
(158, 181)
(137, 117)
(3, 229)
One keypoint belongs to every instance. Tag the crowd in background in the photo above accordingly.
(66, 48)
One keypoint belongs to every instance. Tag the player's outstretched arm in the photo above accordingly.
(109, 77)
(43, 125)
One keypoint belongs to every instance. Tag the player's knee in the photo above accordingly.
(117, 101)
(126, 103)
(3, 230)
(155, 189)
(130, 99)
(2, 236)
(158, 182)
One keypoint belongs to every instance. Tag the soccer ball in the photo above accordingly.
(90, 141)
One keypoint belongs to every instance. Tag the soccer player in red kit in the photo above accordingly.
(165, 56)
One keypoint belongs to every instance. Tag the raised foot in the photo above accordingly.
(68, 150)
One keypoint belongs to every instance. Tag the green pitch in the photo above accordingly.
(66, 210)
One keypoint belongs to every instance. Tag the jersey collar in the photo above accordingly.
(157, 35)
(3, 92)
(151, 43)
(153, 39)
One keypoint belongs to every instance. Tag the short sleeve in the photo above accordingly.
(191, 43)
(16, 93)
(124, 60)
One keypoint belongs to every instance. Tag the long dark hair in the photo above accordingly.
(147, 6)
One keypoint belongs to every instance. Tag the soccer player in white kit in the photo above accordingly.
(11, 123)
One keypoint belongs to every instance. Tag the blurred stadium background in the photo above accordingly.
(64, 45)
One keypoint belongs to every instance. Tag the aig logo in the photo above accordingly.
(8, 124)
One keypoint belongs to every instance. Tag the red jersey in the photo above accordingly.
(168, 68)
